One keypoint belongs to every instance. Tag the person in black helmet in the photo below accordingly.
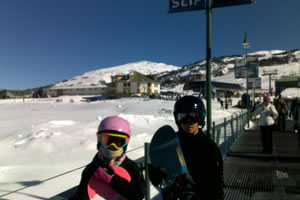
(203, 157)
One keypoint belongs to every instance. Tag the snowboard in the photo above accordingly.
(165, 152)
(99, 190)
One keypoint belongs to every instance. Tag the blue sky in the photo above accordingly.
(46, 41)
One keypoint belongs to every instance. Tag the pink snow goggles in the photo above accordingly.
(113, 141)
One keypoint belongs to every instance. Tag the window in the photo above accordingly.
(126, 84)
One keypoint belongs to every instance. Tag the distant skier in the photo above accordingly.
(113, 136)
(203, 157)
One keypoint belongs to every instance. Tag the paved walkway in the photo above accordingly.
(251, 175)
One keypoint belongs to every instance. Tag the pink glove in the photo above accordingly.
(104, 174)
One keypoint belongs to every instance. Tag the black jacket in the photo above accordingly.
(133, 190)
(205, 164)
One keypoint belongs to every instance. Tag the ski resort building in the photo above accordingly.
(286, 82)
(16, 94)
(219, 88)
(78, 90)
(133, 84)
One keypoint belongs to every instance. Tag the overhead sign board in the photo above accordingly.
(253, 68)
(186, 5)
(225, 3)
(190, 5)
(254, 82)
(240, 68)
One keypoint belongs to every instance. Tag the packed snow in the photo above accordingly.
(42, 138)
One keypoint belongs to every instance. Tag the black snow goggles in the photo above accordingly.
(190, 117)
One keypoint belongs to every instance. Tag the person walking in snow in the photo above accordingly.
(282, 113)
(293, 105)
(113, 136)
(221, 103)
(268, 115)
(295, 113)
(207, 174)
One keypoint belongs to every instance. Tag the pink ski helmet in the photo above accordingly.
(267, 99)
(115, 123)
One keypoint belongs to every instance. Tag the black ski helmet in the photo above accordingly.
(190, 104)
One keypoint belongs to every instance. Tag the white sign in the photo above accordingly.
(186, 5)
(297, 55)
(256, 82)
(252, 70)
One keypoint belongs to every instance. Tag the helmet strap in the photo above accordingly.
(118, 160)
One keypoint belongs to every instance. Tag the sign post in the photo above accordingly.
(208, 68)
(190, 5)
(246, 46)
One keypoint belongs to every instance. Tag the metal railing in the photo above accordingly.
(231, 128)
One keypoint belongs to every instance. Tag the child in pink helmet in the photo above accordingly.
(113, 135)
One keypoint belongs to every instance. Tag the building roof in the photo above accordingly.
(76, 87)
(288, 79)
(218, 85)
(134, 77)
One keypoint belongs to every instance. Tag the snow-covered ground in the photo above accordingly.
(42, 138)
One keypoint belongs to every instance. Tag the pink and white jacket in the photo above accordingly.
(268, 114)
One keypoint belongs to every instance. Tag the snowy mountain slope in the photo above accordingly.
(102, 76)
(285, 62)
(282, 70)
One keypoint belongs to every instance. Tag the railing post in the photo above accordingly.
(246, 121)
(241, 122)
(218, 136)
(214, 131)
(225, 137)
(147, 161)
(237, 125)
(232, 130)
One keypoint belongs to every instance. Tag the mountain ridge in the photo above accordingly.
(170, 75)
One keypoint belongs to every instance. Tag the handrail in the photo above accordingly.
(229, 139)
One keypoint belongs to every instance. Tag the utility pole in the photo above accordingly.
(270, 73)
(246, 45)
(297, 56)
(182, 6)
(208, 68)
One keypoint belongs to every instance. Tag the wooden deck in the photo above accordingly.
(251, 175)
